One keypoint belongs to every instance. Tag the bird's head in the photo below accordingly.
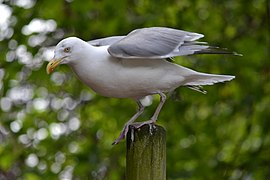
(66, 52)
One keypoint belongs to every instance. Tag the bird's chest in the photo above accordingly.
(109, 79)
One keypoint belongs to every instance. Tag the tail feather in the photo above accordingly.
(201, 79)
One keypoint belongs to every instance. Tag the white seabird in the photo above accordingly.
(135, 66)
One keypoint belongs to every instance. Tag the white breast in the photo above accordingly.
(122, 78)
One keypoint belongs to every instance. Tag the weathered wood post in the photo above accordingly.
(146, 153)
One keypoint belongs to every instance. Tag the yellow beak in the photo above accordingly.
(52, 65)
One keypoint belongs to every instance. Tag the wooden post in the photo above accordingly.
(146, 153)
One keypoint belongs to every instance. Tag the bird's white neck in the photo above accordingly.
(93, 62)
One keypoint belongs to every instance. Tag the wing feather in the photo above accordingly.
(154, 42)
(106, 41)
(157, 43)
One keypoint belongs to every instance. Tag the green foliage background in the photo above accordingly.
(54, 127)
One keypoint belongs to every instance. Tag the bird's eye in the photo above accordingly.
(67, 49)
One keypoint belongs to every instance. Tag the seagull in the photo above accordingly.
(137, 65)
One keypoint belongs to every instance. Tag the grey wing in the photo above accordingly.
(157, 43)
(106, 41)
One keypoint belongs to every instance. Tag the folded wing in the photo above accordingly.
(157, 42)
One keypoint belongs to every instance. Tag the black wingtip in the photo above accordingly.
(217, 50)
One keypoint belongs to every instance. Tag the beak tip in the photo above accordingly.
(49, 69)
(52, 65)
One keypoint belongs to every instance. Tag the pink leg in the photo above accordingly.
(155, 116)
(126, 127)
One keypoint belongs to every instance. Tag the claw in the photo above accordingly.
(151, 122)
(124, 131)
(138, 125)
(122, 135)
